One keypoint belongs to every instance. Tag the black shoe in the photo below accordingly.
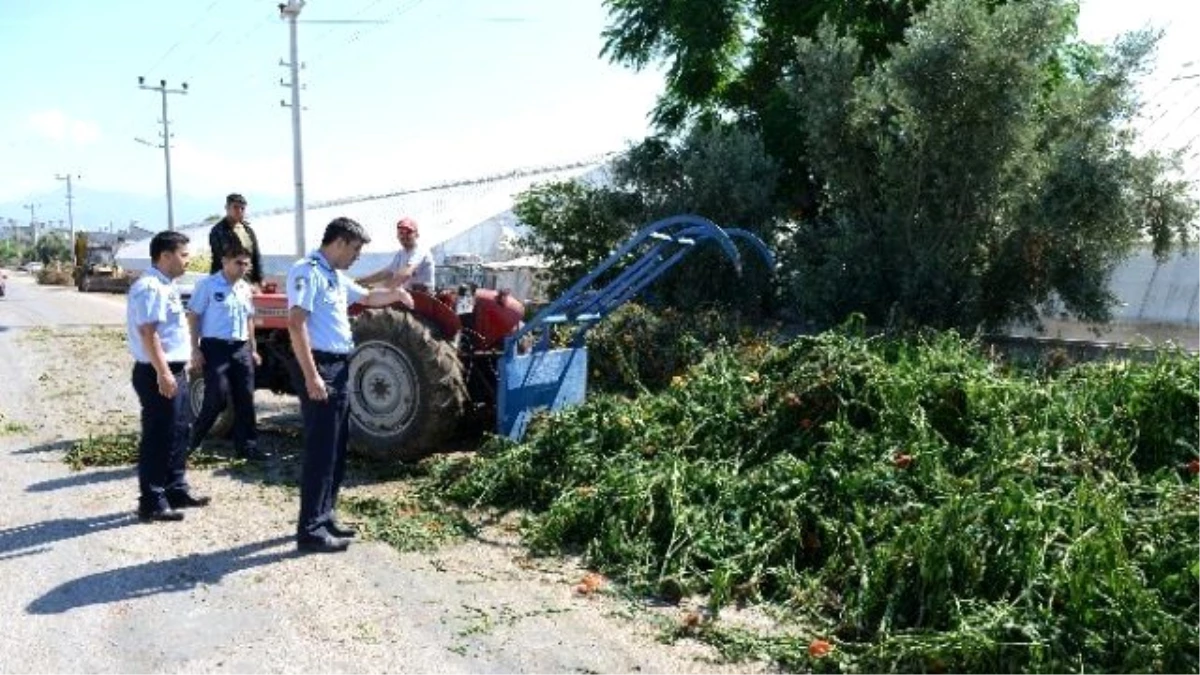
(159, 515)
(324, 543)
(338, 530)
(253, 454)
(187, 500)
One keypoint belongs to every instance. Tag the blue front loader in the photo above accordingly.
(545, 378)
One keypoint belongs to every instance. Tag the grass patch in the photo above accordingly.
(12, 427)
(121, 449)
(914, 505)
(407, 523)
(107, 334)
(37, 334)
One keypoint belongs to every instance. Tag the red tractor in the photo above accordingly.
(417, 376)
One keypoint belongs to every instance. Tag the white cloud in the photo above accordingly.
(59, 127)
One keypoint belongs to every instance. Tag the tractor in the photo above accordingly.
(418, 376)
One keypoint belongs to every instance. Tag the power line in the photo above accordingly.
(229, 42)
(1179, 126)
(400, 10)
(187, 34)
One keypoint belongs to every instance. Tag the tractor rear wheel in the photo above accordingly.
(224, 423)
(407, 391)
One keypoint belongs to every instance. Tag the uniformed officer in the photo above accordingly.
(160, 344)
(319, 295)
(221, 315)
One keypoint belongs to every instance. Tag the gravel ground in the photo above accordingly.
(90, 589)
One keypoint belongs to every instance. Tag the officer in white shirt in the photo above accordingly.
(412, 268)
(161, 347)
(221, 315)
(319, 296)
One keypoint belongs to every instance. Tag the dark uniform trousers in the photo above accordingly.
(163, 449)
(228, 373)
(326, 435)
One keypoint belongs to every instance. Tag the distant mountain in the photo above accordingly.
(96, 209)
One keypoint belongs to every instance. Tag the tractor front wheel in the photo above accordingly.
(407, 394)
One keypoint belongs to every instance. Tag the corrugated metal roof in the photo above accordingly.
(444, 212)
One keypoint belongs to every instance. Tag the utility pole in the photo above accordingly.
(33, 220)
(70, 198)
(166, 134)
(291, 11)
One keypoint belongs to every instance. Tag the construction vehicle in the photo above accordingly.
(96, 267)
(419, 375)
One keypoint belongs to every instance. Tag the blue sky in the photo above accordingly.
(445, 89)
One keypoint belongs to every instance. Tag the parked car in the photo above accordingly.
(32, 267)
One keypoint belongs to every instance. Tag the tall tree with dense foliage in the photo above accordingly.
(949, 163)
(984, 171)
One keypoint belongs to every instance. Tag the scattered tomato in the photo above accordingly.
(690, 619)
(819, 648)
(590, 583)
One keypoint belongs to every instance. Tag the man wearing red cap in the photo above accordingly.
(411, 269)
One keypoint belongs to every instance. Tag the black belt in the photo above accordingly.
(175, 366)
(328, 357)
(223, 341)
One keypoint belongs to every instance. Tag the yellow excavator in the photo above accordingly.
(96, 267)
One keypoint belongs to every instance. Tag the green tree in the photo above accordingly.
(51, 248)
(722, 173)
(728, 60)
(574, 225)
(11, 252)
(950, 163)
(731, 55)
(984, 171)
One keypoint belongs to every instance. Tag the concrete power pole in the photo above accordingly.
(33, 220)
(166, 134)
(291, 11)
(70, 199)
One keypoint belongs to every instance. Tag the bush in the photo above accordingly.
(201, 262)
(55, 276)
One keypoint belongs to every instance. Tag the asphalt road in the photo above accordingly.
(27, 305)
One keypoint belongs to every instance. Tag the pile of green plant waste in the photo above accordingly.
(910, 503)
